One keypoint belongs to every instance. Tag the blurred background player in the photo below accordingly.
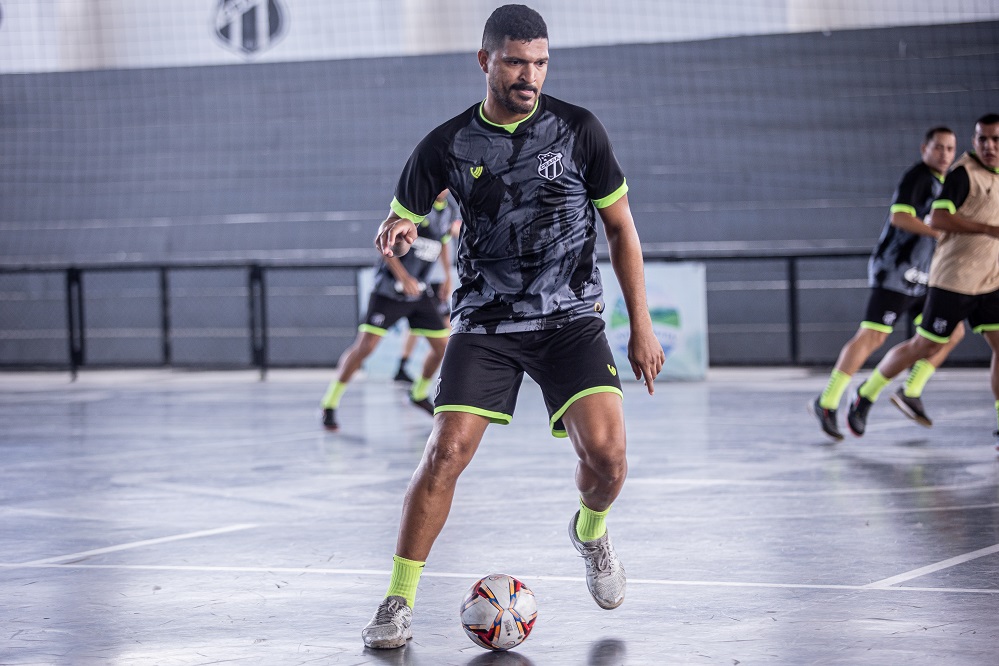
(897, 274)
(964, 276)
(439, 278)
(401, 291)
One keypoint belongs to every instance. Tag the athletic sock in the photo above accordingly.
(997, 414)
(590, 524)
(333, 394)
(872, 388)
(838, 381)
(405, 578)
(921, 372)
(421, 388)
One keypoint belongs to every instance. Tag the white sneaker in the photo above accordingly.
(604, 572)
(391, 626)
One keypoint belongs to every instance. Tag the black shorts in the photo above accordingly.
(482, 372)
(884, 307)
(422, 315)
(944, 310)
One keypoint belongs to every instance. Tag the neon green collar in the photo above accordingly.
(512, 127)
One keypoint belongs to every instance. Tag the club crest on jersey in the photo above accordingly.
(249, 27)
(551, 165)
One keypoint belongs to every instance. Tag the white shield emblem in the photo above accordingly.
(551, 165)
(249, 27)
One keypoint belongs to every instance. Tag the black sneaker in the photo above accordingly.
(403, 376)
(911, 407)
(827, 419)
(329, 419)
(424, 404)
(856, 418)
(995, 438)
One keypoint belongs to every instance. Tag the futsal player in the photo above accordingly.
(964, 276)
(401, 291)
(531, 172)
(897, 273)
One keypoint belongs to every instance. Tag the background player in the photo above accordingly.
(529, 171)
(897, 274)
(400, 290)
(964, 276)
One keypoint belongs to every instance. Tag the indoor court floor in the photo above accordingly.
(180, 518)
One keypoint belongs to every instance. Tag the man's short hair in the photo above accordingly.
(932, 133)
(518, 22)
(988, 119)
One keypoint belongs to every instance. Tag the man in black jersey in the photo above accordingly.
(897, 274)
(530, 173)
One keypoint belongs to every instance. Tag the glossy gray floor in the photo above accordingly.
(157, 517)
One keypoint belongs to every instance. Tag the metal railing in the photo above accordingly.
(257, 279)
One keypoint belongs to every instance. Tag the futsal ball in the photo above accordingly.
(498, 612)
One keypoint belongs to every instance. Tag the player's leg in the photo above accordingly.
(382, 313)
(984, 319)
(908, 398)
(943, 311)
(575, 368)
(883, 308)
(478, 386)
(425, 320)
(408, 345)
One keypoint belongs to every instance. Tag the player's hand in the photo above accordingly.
(646, 356)
(395, 236)
(411, 286)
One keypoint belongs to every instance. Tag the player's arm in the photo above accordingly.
(943, 212)
(644, 351)
(907, 221)
(410, 285)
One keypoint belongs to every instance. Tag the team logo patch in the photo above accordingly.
(939, 325)
(551, 165)
(612, 369)
(889, 318)
(249, 27)
(476, 171)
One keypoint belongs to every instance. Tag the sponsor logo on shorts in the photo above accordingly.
(889, 318)
(551, 165)
(377, 319)
(939, 325)
(437, 390)
(612, 369)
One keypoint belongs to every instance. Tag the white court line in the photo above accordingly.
(476, 576)
(945, 564)
(137, 544)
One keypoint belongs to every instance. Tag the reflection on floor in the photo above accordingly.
(158, 517)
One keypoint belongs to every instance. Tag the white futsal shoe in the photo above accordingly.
(391, 626)
(604, 572)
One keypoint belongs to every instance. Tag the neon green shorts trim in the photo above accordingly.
(557, 416)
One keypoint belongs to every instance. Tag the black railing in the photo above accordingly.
(257, 272)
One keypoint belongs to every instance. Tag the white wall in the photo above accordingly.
(59, 35)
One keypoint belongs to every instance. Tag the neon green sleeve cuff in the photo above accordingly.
(405, 213)
(903, 208)
(612, 197)
(944, 204)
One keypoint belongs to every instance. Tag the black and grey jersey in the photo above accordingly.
(432, 233)
(528, 193)
(901, 260)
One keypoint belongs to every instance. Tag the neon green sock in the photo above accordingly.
(333, 394)
(838, 381)
(590, 524)
(405, 578)
(421, 388)
(872, 388)
(997, 413)
(921, 372)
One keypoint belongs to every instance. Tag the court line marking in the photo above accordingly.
(476, 576)
(931, 568)
(59, 559)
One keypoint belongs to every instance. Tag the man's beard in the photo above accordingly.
(511, 104)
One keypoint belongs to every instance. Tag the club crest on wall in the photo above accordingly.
(249, 27)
